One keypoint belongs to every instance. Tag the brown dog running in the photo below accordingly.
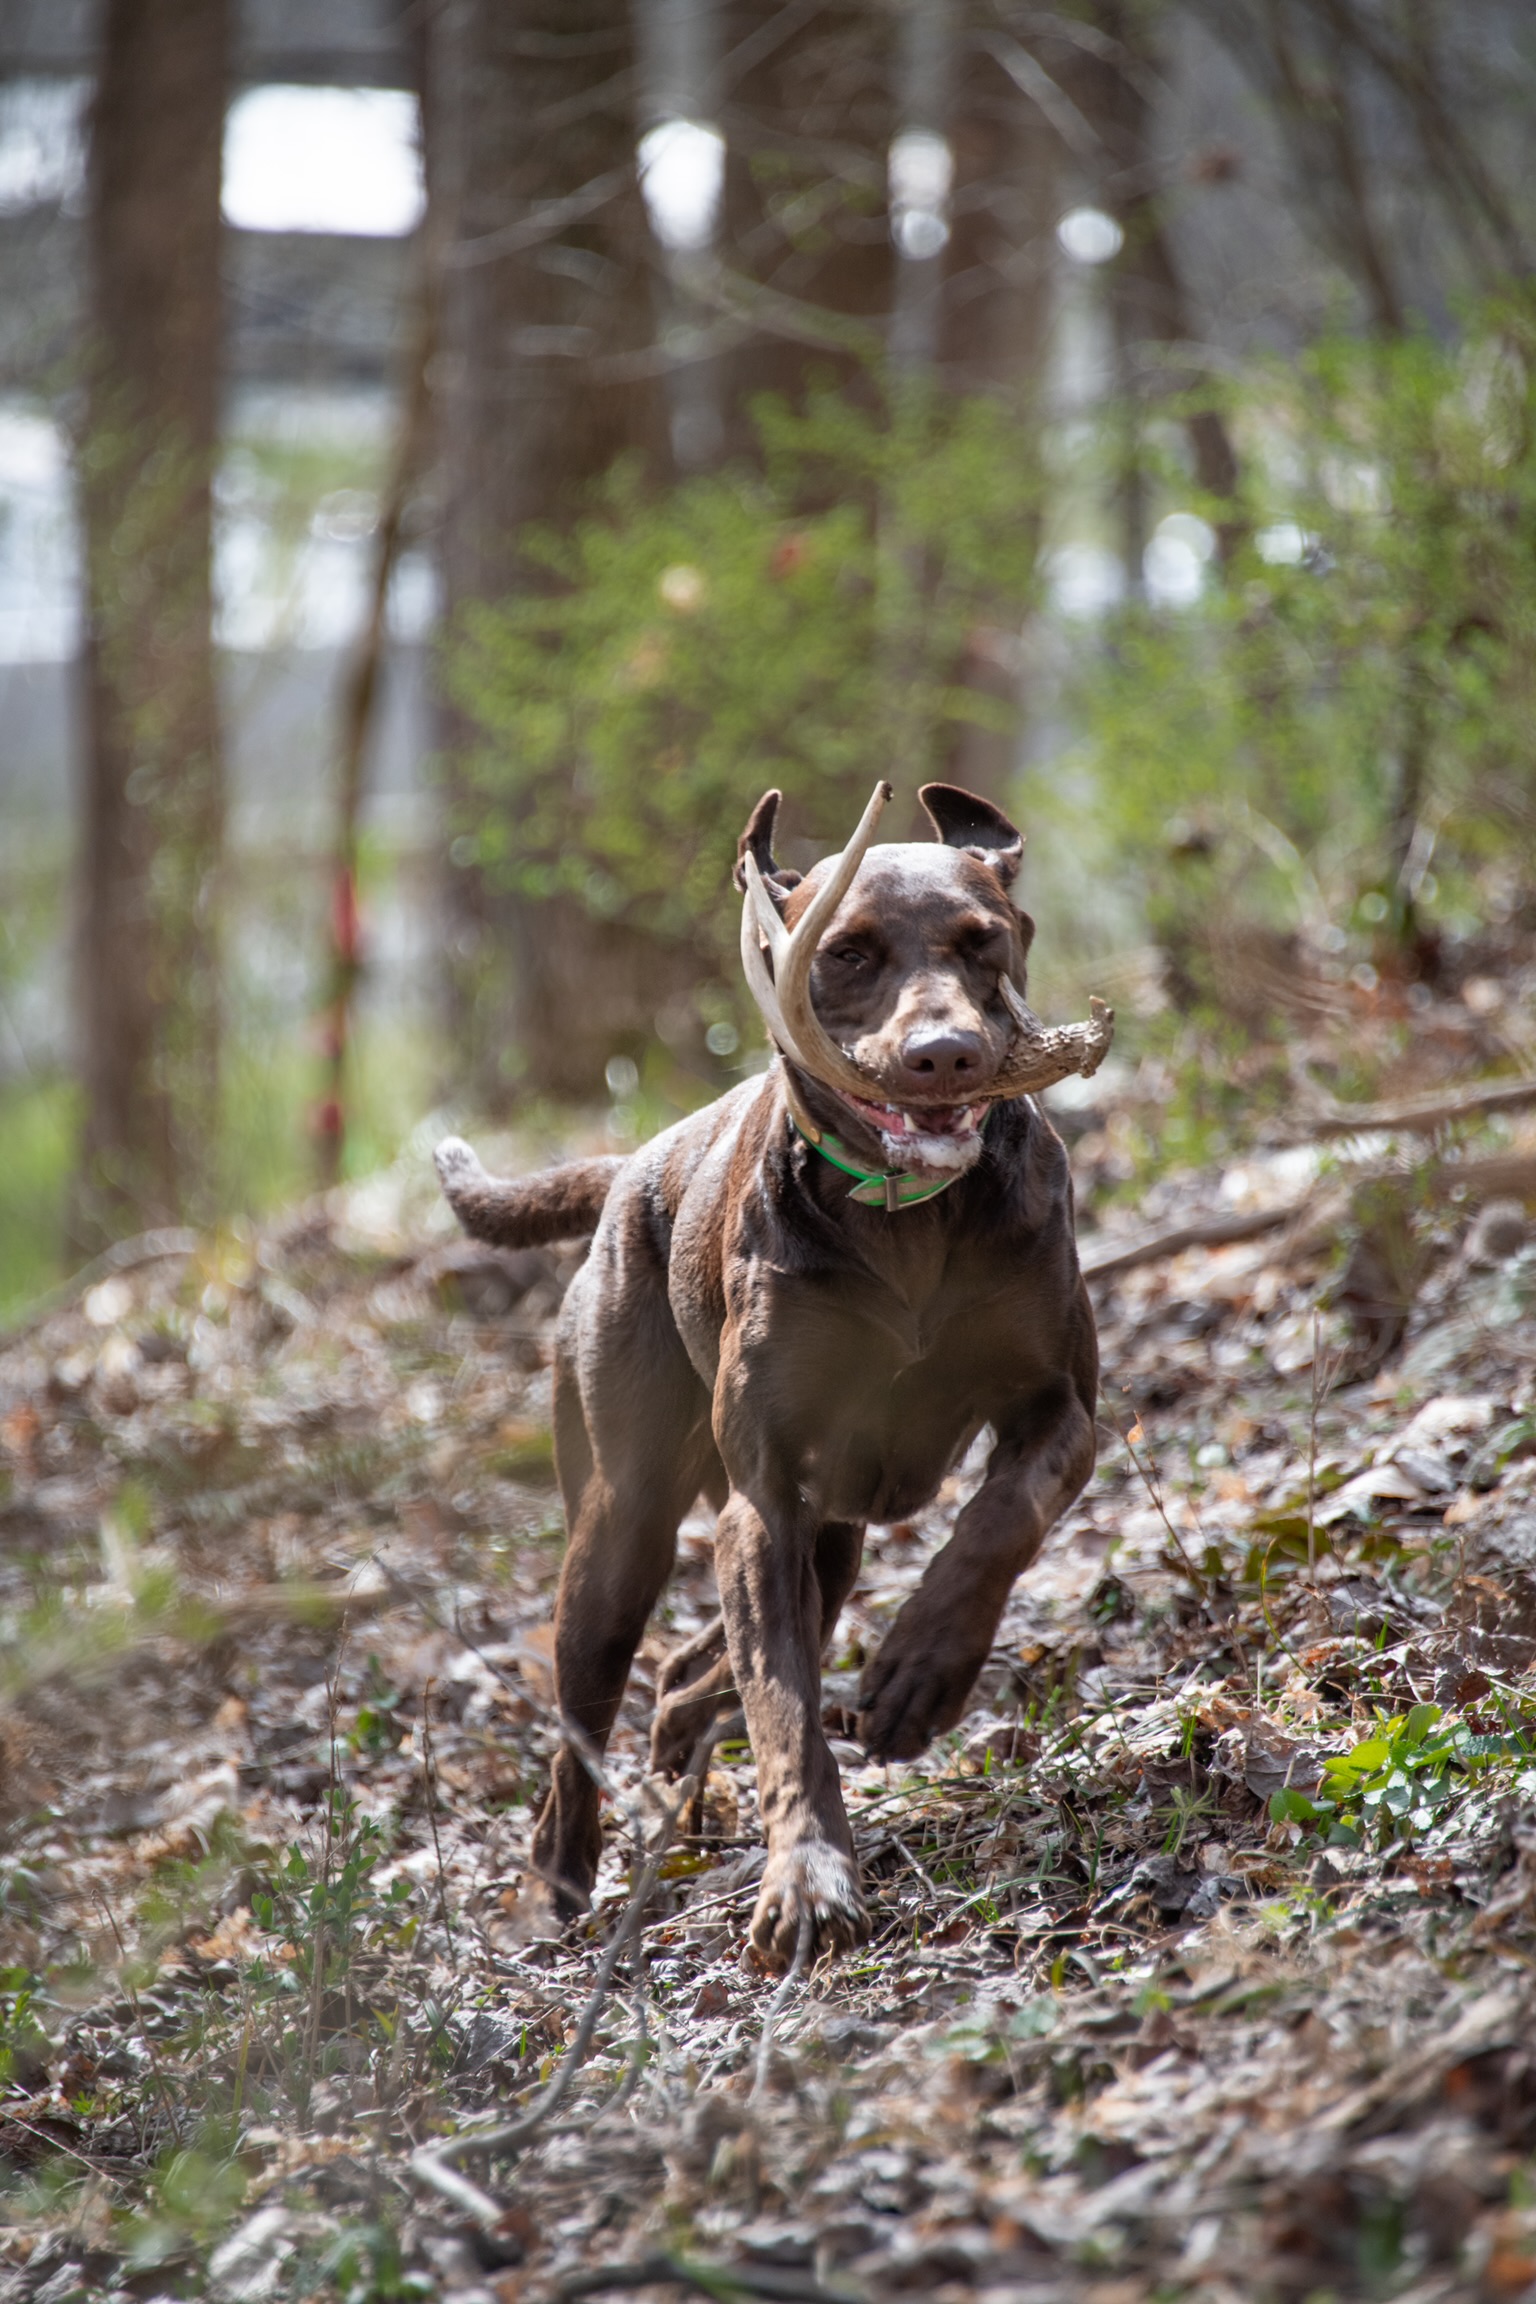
(806, 1301)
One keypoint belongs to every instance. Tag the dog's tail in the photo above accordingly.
(557, 1204)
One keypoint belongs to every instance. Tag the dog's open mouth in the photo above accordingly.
(937, 1138)
(919, 1120)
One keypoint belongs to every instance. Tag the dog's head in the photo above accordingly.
(914, 982)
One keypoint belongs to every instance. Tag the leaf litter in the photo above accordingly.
(1201, 1954)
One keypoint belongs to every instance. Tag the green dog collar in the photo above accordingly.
(876, 1187)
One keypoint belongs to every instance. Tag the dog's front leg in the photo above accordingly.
(920, 1682)
(771, 1597)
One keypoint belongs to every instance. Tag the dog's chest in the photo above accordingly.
(873, 1391)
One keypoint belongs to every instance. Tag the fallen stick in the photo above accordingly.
(1323, 1117)
(783, 2283)
(122, 1256)
(1098, 1262)
(432, 2164)
(1502, 1176)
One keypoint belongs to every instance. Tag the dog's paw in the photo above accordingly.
(691, 1688)
(457, 1166)
(809, 1877)
(909, 1695)
(691, 1659)
(679, 1723)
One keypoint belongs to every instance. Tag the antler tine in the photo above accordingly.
(1042, 1054)
(760, 925)
(809, 1041)
(806, 933)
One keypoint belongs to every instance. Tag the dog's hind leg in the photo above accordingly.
(839, 1549)
(693, 1682)
(624, 1501)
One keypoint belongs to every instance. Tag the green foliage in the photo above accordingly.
(1356, 698)
(363, 2265)
(194, 2193)
(800, 626)
(330, 1980)
(38, 1120)
(24, 2044)
(1399, 1781)
(328, 1908)
(1337, 733)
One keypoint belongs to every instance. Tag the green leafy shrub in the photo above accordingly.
(1342, 729)
(803, 626)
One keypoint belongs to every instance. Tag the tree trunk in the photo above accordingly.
(995, 307)
(808, 269)
(153, 788)
(547, 374)
(1151, 310)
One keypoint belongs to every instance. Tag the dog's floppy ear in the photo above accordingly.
(757, 842)
(963, 820)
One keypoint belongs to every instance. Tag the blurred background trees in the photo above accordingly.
(1126, 408)
(153, 799)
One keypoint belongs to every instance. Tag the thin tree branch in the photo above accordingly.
(433, 2164)
(1420, 1115)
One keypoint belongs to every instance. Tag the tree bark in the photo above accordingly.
(994, 312)
(153, 787)
(808, 269)
(546, 375)
(1151, 313)
(1003, 209)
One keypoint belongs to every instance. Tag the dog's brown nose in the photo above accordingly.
(942, 1067)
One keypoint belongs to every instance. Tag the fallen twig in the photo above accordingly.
(1098, 1262)
(437, 1847)
(779, 2003)
(785, 2283)
(1153, 1487)
(1501, 1176)
(433, 2163)
(1323, 1117)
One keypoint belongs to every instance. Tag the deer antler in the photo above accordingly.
(785, 996)
(1041, 1054)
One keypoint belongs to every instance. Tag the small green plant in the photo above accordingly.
(24, 2042)
(1398, 1782)
(363, 2265)
(194, 2193)
(337, 1931)
(329, 1910)
(376, 1726)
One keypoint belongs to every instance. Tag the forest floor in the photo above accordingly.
(1203, 1959)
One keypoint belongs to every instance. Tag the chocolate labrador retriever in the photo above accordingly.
(806, 1301)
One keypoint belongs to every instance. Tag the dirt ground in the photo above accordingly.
(1202, 1953)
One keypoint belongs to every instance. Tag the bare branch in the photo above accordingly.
(1420, 1115)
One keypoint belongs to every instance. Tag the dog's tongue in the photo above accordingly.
(926, 1120)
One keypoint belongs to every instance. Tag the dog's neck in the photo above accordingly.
(838, 1134)
(877, 1187)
